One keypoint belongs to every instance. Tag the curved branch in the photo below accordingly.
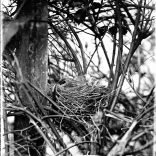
(81, 48)
(77, 62)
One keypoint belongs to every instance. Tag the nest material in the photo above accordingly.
(80, 98)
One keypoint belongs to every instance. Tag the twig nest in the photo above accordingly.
(81, 100)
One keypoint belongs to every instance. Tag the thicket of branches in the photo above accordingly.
(84, 108)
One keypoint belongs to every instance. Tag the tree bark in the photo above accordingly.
(31, 53)
(32, 46)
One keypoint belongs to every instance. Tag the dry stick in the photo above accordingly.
(144, 112)
(55, 46)
(71, 16)
(139, 65)
(46, 97)
(142, 6)
(117, 116)
(138, 119)
(99, 9)
(28, 95)
(119, 148)
(140, 134)
(92, 56)
(136, 92)
(131, 52)
(127, 12)
(141, 148)
(79, 30)
(113, 58)
(50, 123)
(18, 69)
(19, 9)
(92, 20)
(120, 50)
(77, 62)
(147, 20)
(31, 117)
(43, 135)
(25, 110)
(105, 53)
(92, 142)
(143, 17)
(81, 48)
(103, 47)
(63, 116)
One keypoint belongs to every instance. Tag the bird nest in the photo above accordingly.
(79, 97)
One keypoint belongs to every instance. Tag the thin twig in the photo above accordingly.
(64, 150)
(81, 48)
(140, 149)
(77, 62)
(131, 52)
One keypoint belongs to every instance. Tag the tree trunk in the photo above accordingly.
(32, 46)
(31, 53)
